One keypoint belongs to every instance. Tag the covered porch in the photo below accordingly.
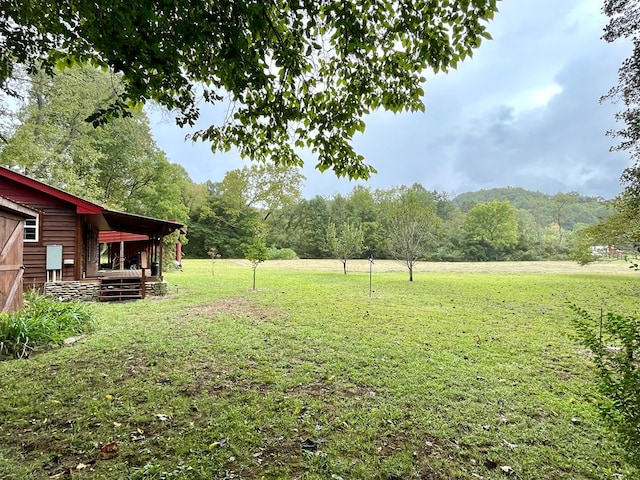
(120, 259)
(129, 255)
(127, 246)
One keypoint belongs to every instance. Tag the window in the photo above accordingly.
(31, 230)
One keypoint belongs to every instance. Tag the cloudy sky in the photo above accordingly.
(523, 112)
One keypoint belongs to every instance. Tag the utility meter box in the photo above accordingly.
(54, 257)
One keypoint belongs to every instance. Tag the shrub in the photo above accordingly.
(43, 321)
(615, 344)
(281, 254)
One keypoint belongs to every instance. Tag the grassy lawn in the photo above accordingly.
(459, 375)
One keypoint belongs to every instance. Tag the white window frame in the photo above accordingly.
(34, 226)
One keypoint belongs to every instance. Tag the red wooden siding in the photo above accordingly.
(57, 226)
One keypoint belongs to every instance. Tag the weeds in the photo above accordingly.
(43, 321)
(615, 345)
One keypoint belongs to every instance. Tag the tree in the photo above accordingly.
(266, 187)
(618, 372)
(256, 253)
(490, 229)
(243, 201)
(621, 228)
(364, 212)
(624, 22)
(345, 243)
(411, 229)
(220, 223)
(117, 165)
(299, 73)
(52, 142)
(560, 204)
(306, 227)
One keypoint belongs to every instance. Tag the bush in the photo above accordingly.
(281, 254)
(43, 321)
(615, 344)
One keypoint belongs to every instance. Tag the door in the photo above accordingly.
(11, 267)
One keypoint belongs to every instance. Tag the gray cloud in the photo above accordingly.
(524, 111)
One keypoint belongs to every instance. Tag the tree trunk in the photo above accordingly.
(254, 278)
(411, 273)
(344, 266)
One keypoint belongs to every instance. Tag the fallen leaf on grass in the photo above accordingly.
(220, 443)
(72, 340)
(109, 451)
(510, 446)
(162, 417)
(507, 470)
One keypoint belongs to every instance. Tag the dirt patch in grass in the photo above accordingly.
(325, 390)
(232, 306)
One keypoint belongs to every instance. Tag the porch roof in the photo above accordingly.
(138, 224)
(112, 237)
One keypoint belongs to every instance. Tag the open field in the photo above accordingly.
(384, 266)
(468, 372)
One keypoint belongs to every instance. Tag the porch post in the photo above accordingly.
(161, 256)
(179, 252)
(121, 262)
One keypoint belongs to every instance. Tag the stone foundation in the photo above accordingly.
(156, 289)
(88, 291)
(68, 291)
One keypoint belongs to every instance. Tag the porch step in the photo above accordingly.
(118, 289)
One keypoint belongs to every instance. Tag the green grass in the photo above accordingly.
(453, 376)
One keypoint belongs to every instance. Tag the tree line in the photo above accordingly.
(409, 223)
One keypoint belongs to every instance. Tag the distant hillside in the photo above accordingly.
(568, 209)
(517, 196)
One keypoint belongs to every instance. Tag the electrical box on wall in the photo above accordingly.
(54, 257)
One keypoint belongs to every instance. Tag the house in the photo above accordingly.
(12, 219)
(64, 242)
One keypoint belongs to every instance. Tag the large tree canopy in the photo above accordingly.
(295, 73)
(624, 22)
